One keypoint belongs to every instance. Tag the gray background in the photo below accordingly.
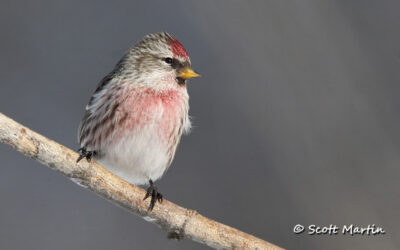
(296, 118)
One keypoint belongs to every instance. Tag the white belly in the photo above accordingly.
(137, 157)
(143, 147)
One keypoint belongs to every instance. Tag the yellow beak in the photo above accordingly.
(187, 73)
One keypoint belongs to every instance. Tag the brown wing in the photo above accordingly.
(101, 112)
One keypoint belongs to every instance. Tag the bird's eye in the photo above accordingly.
(168, 60)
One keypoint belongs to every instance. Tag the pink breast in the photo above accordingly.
(160, 109)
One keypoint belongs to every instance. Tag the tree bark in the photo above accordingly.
(179, 222)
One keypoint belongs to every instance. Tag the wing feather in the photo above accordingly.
(100, 113)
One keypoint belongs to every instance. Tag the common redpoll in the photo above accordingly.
(135, 118)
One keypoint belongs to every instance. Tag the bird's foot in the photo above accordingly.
(85, 154)
(155, 195)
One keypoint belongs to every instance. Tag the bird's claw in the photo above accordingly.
(155, 195)
(85, 154)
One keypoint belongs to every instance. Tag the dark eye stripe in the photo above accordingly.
(176, 64)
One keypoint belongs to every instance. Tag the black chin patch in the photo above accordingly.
(181, 81)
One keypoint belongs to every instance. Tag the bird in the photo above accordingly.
(136, 116)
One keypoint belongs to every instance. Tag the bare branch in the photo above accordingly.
(177, 221)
